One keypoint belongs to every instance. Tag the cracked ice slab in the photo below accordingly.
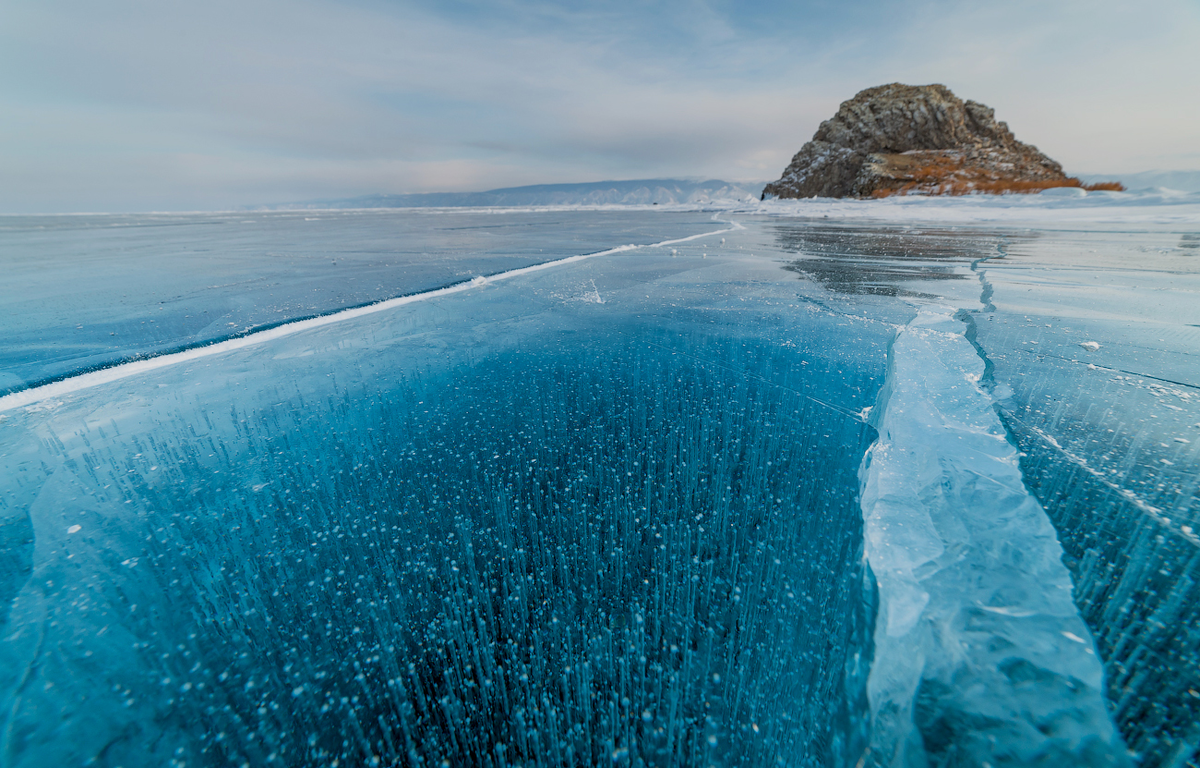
(980, 654)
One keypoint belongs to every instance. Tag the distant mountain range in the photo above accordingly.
(652, 192)
(1185, 181)
(635, 192)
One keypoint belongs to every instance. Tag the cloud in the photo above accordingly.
(134, 104)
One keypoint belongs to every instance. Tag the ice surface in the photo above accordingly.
(609, 512)
(1109, 442)
(1099, 211)
(980, 655)
(1100, 430)
(87, 291)
(141, 364)
(462, 531)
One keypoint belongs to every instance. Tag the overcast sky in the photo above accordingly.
(128, 105)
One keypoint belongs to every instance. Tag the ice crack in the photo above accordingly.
(980, 654)
(120, 371)
(986, 291)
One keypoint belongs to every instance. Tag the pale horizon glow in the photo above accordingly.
(135, 105)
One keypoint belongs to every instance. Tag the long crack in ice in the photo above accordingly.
(980, 654)
(86, 380)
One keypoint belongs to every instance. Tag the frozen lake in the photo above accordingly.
(747, 489)
(88, 291)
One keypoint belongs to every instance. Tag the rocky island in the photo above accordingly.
(917, 139)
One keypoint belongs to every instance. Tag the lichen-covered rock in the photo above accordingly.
(913, 139)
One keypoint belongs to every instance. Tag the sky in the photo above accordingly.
(143, 105)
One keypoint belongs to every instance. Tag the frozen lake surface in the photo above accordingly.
(82, 292)
(779, 490)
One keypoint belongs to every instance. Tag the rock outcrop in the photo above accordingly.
(914, 139)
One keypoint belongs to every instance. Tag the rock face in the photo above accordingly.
(914, 139)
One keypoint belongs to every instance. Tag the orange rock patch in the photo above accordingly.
(950, 172)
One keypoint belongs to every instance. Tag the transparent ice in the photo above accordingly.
(83, 292)
(791, 493)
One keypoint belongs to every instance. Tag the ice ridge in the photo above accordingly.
(981, 657)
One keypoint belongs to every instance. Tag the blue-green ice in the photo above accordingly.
(631, 488)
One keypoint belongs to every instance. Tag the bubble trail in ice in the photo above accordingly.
(579, 549)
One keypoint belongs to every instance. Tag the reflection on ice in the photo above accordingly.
(885, 261)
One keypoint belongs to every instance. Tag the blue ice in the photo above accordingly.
(787, 493)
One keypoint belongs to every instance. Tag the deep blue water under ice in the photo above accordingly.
(789, 493)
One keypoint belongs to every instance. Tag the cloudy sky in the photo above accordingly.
(163, 105)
